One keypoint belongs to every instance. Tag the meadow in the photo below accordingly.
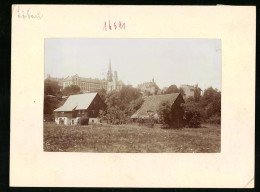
(131, 139)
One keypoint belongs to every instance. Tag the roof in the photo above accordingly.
(77, 102)
(152, 103)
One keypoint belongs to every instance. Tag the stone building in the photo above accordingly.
(94, 85)
(191, 90)
(148, 88)
(112, 80)
(85, 84)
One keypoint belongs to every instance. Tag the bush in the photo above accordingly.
(192, 115)
(83, 121)
(195, 120)
(49, 117)
(214, 119)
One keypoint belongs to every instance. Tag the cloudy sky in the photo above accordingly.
(168, 61)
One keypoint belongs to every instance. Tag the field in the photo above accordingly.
(131, 139)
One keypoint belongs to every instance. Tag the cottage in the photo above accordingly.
(77, 106)
(151, 105)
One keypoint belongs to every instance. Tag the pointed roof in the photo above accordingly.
(77, 102)
(152, 104)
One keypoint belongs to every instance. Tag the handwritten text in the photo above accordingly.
(108, 26)
(27, 14)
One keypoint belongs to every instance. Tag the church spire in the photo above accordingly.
(109, 73)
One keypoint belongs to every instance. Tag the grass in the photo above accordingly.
(131, 138)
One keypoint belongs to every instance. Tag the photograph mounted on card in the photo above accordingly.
(100, 91)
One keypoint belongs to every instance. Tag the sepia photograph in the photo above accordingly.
(132, 95)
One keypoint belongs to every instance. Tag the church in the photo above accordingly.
(112, 80)
(94, 85)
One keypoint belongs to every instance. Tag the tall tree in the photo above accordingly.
(51, 87)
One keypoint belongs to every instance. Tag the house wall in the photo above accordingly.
(96, 105)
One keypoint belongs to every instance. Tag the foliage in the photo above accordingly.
(83, 121)
(71, 90)
(172, 89)
(192, 115)
(165, 113)
(51, 87)
(210, 104)
(205, 109)
(122, 104)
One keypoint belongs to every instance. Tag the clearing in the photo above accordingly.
(131, 139)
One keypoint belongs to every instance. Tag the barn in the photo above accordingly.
(77, 106)
(152, 103)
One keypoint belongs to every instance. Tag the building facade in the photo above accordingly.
(148, 88)
(94, 85)
(113, 84)
(85, 105)
(85, 84)
(191, 90)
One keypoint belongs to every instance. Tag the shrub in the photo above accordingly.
(192, 115)
(194, 119)
(214, 119)
(83, 121)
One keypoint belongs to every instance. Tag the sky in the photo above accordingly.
(168, 61)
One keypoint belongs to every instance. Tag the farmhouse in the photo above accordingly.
(77, 106)
(151, 105)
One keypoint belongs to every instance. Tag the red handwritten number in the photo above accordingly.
(110, 26)
(115, 25)
(105, 26)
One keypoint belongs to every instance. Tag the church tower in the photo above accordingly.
(109, 73)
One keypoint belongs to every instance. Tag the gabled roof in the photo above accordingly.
(77, 102)
(152, 104)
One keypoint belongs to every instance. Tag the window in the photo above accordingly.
(83, 112)
(72, 122)
(79, 111)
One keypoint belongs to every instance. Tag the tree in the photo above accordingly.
(71, 90)
(51, 87)
(211, 104)
(121, 104)
(122, 98)
(192, 114)
(172, 89)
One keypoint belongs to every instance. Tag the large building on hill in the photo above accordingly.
(148, 88)
(85, 84)
(91, 85)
